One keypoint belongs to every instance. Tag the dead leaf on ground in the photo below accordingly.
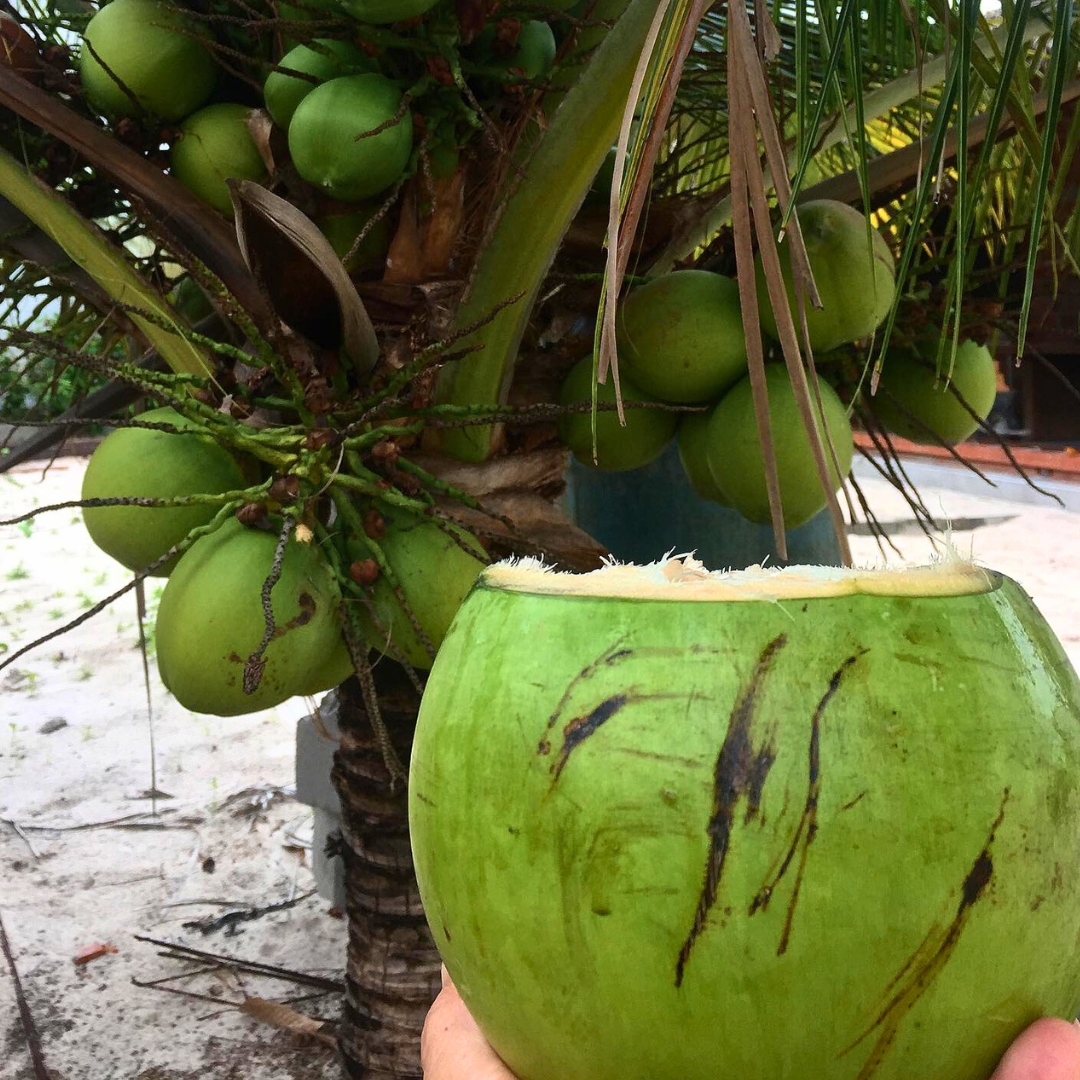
(287, 1018)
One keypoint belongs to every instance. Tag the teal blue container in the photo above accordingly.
(641, 515)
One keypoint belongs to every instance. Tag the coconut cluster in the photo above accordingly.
(348, 128)
(681, 342)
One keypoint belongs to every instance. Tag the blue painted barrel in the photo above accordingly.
(641, 515)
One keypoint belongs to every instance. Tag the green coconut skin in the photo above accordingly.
(734, 452)
(149, 47)
(914, 402)
(855, 282)
(681, 337)
(323, 137)
(618, 447)
(530, 58)
(215, 145)
(343, 229)
(693, 436)
(891, 782)
(141, 463)
(435, 573)
(323, 59)
(210, 621)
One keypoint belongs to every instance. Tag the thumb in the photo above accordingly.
(452, 1046)
(1048, 1050)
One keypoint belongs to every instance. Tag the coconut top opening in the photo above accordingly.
(683, 577)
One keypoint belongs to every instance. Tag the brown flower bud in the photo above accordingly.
(385, 452)
(319, 438)
(285, 489)
(374, 524)
(251, 514)
(364, 571)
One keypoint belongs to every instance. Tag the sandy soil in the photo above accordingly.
(83, 862)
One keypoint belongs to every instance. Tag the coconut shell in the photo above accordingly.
(820, 829)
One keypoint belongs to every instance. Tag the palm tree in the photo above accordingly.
(424, 386)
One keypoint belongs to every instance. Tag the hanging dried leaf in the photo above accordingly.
(442, 226)
(405, 259)
(747, 85)
(302, 274)
(261, 125)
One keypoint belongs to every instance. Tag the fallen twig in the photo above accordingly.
(210, 923)
(186, 952)
(19, 831)
(128, 821)
(33, 1040)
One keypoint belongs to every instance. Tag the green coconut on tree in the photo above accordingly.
(405, 425)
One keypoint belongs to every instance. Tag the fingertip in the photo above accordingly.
(1047, 1050)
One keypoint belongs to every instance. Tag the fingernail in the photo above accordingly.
(446, 980)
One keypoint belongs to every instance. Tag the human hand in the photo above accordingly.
(452, 1047)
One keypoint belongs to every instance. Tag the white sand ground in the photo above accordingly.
(72, 874)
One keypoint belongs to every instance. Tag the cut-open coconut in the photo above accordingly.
(810, 823)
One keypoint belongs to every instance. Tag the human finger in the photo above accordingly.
(1048, 1050)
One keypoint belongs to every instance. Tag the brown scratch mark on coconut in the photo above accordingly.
(302, 617)
(855, 802)
(806, 829)
(738, 770)
(581, 727)
(929, 958)
(610, 658)
(762, 764)
(656, 755)
(615, 655)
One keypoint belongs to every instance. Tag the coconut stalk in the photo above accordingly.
(531, 225)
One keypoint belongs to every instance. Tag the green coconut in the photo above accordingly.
(854, 275)
(211, 620)
(323, 59)
(529, 56)
(342, 230)
(818, 824)
(160, 67)
(382, 12)
(215, 145)
(618, 447)
(734, 450)
(329, 143)
(681, 336)
(693, 439)
(435, 568)
(189, 299)
(915, 402)
(143, 463)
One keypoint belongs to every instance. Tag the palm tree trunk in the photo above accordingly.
(392, 965)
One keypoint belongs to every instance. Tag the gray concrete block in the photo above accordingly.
(316, 740)
(329, 869)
